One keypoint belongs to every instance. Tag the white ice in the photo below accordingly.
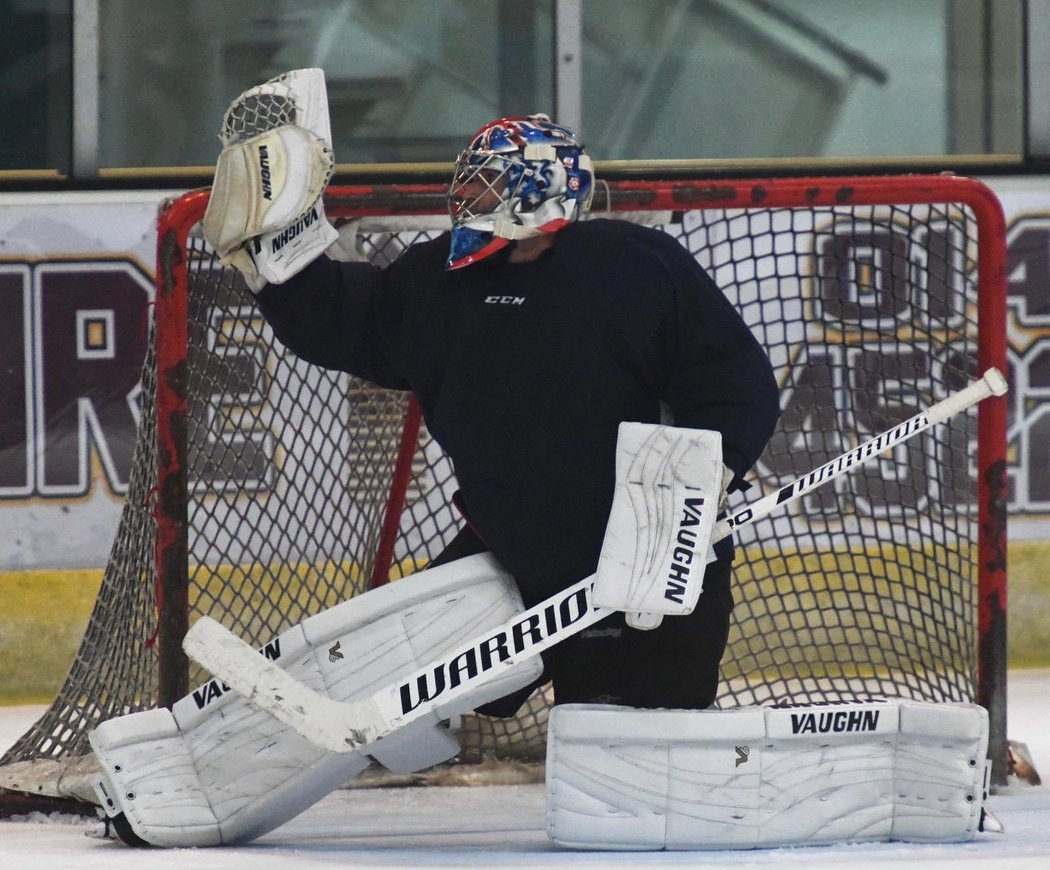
(503, 827)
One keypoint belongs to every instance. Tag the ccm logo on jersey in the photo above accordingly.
(504, 300)
(683, 554)
(264, 172)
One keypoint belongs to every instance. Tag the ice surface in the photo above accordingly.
(503, 827)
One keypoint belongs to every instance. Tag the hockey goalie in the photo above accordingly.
(599, 398)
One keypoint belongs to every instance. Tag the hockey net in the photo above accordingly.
(265, 490)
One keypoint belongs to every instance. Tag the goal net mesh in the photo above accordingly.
(868, 587)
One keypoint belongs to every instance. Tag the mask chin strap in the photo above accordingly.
(505, 228)
(522, 225)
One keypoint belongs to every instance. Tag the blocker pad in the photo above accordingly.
(657, 541)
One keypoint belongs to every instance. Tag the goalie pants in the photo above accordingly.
(675, 665)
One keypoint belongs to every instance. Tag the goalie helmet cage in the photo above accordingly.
(264, 490)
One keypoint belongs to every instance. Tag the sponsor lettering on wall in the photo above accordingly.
(76, 289)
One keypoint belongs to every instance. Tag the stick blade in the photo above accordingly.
(329, 725)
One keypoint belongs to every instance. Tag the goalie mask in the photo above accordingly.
(518, 177)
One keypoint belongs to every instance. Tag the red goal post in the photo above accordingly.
(265, 490)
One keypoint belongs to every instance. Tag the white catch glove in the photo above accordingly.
(264, 184)
(669, 482)
(266, 215)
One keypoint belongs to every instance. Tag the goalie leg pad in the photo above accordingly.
(623, 778)
(217, 769)
(172, 797)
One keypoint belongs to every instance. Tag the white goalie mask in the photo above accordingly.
(518, 177)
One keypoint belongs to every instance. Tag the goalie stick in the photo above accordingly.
(347, 726)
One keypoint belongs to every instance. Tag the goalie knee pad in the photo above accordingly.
(623, 778)
(216, 769)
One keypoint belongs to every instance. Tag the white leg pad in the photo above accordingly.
(216, 769)
(151, 776)
(621, 778)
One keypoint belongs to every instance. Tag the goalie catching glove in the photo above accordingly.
(266, 214)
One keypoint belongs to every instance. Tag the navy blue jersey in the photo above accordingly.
(525, 370)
